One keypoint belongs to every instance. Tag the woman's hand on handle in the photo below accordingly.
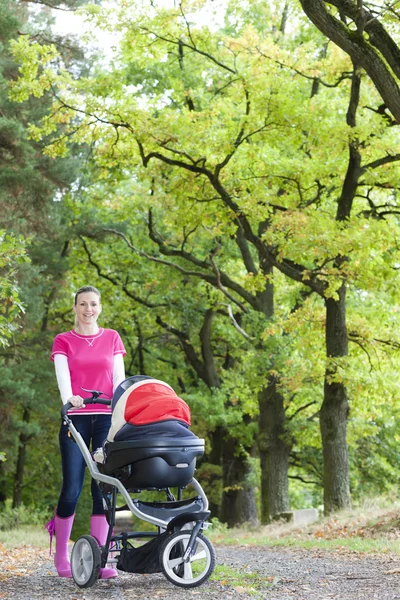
(77, 401)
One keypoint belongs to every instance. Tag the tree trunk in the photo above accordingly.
(335, 409)
(273, 443)
(360, 49)
(3, 496)
(238, 500)
(213, 479)
(335, 406)
(19, 474)
(274, 448)
(238, 503)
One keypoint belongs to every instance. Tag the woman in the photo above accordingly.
(87, 357)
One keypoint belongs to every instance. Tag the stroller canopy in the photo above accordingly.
(142, 400)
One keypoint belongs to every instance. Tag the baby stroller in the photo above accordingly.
(177, 547)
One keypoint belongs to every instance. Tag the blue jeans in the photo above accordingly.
(93, 428)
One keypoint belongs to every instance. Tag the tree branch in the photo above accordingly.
(361, 50)
(377, 34)
(299, 478)
(296, 412)
(219, 285)
(213, 380)
(50, 5)
(245, 251)
(212, 280)
(289, 268)
(117, 283)
(192, 47)
(190, 353)
(355, 339)
(384, 160)
(237, 326)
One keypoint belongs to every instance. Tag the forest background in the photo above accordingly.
(227, 174)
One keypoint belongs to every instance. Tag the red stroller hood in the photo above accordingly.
(145, 402)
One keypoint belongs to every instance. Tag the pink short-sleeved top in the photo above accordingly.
(90, 362)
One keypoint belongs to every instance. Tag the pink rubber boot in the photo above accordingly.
(63, 528)
(99, 530)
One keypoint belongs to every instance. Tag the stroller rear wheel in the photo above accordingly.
(85, 561)
(200, 565)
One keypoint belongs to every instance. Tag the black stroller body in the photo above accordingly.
(177, 547)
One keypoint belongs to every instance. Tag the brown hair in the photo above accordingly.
(86, 288)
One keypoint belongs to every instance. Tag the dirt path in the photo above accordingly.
(244, 572)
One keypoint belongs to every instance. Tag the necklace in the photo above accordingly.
(89, 340)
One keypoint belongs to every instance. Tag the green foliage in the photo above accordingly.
(247, 581)
(14, 518)
(232, 135)
(33, 258)
(12, 254)
(210, 476)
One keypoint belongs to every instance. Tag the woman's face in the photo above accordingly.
(87, 308)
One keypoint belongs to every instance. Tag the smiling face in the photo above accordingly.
(87, 308)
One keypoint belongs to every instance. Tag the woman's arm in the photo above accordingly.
(118, 370)
(64, 381)
(63, 377)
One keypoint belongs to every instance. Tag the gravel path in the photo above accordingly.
(269, 573)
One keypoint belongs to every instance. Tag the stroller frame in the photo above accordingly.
(184, 554)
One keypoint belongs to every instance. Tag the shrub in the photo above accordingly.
(12, 518)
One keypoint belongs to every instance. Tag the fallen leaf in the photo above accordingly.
(392, 571)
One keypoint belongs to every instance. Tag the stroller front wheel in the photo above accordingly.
(200, 565)
(85, 561)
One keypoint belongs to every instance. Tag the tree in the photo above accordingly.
(367, 33)
(12, 254)
(32, 260)
(184, 315)
(232, 127)
(360, 31)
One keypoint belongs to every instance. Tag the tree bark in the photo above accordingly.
(378, 36)
(361, 51)
(335, 407)
(19, 473)
(273, 443)
(214, 479)
(274, 448)
(334, 410)
(210, 370)
(238, 500)
(238, 504)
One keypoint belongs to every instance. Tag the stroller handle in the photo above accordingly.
(68, 405)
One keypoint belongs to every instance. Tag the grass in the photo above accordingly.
(305, 539)
(352, 544)
(372, 527)
(242, 581)
(28, 535)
